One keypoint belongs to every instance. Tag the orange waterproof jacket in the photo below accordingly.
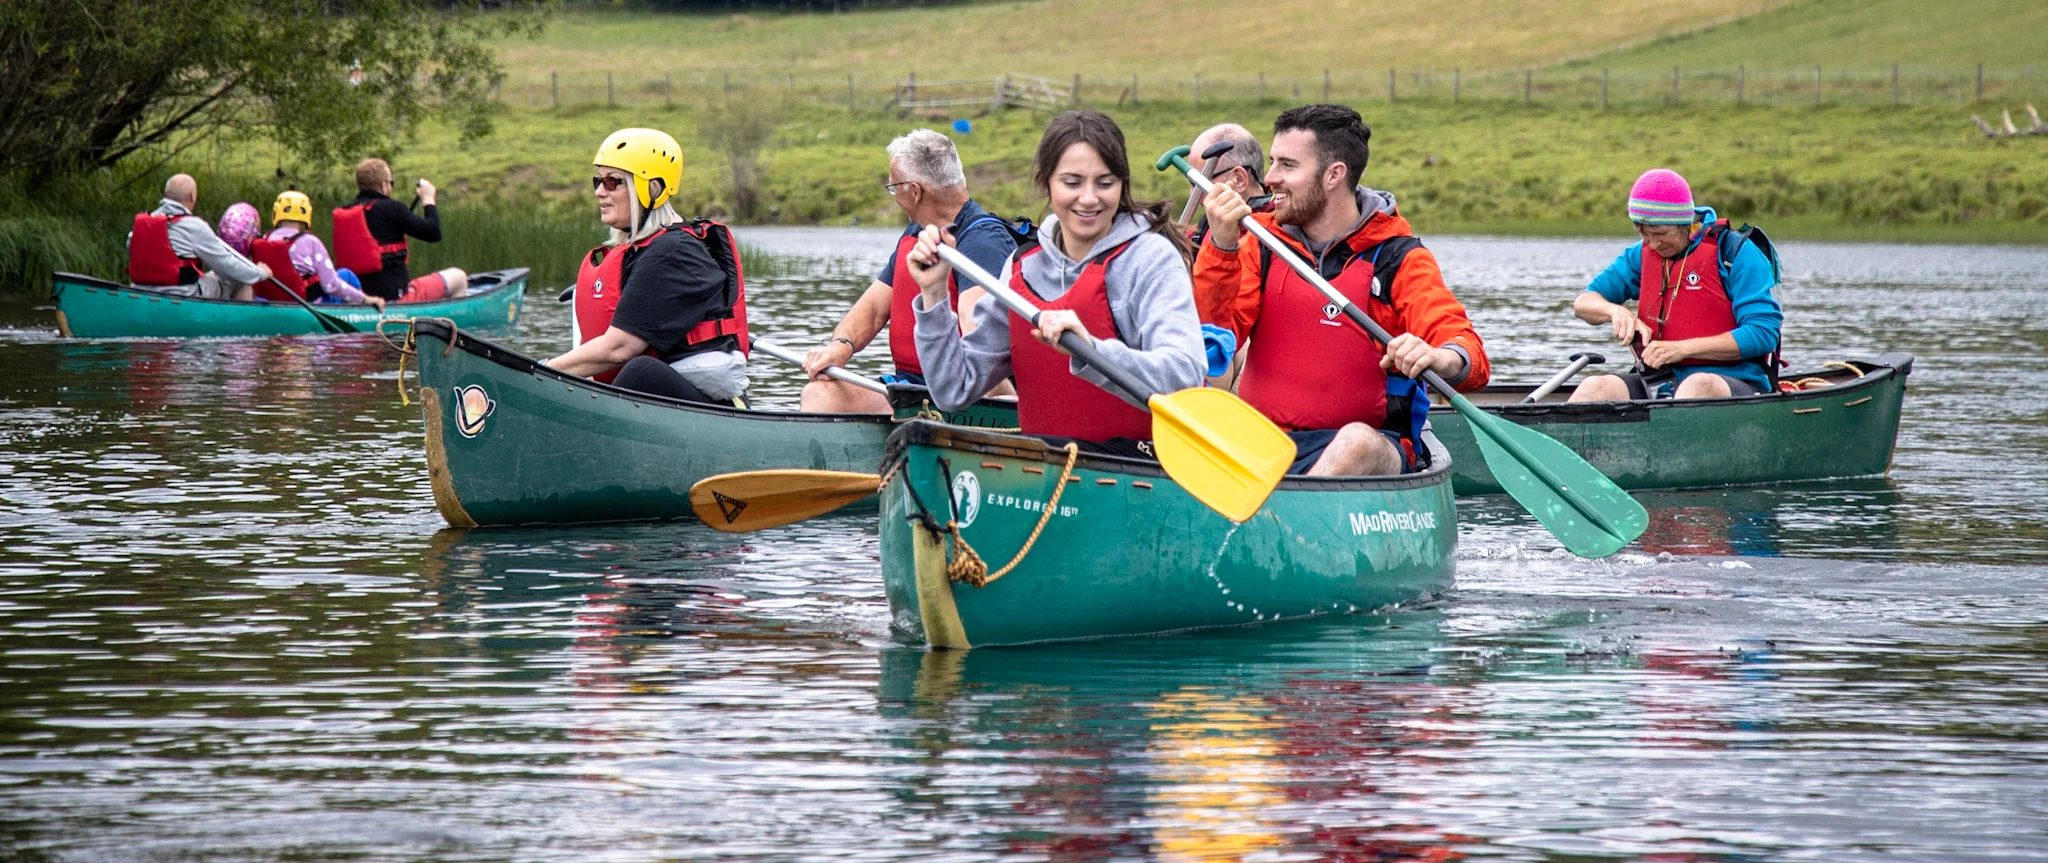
(1229, 290)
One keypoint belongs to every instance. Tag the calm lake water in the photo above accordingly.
(232, 628)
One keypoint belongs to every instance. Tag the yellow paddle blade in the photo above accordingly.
(1221, 450)
(755, 500)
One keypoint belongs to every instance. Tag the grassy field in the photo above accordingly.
(1111, 38)
(2006, 34)
(1485, 164)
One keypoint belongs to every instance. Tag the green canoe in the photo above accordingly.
(511, 441)
(1844, 429)
(89, 308)
(1126, 552)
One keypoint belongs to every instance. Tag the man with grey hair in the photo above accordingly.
(172, 251)
(1240, 168)
(926, 182)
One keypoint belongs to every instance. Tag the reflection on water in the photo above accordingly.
(233, 628)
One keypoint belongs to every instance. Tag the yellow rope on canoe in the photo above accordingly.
(410, 348)
(927, 412)
(968, 566)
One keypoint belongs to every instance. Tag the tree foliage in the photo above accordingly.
(84, 85)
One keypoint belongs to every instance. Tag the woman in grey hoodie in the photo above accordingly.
(1106, 267)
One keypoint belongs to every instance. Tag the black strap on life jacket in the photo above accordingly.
(1729, 241)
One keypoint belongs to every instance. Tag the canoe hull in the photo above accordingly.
(510, 441)
(90, 308)
(1127, 552)
(1846, 430)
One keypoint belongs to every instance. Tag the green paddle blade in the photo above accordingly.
(1220, 450)
(1586, 511)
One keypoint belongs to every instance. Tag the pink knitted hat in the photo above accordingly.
(1660, 197)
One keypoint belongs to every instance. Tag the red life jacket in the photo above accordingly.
(277, 255)
(354, 247)
(602, 277)
(151, 261)
(1050, 399)
(1309, 366)
(902, 319)
(1693, 303)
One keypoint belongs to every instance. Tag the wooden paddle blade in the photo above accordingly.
(756, 500)
(1584, 509)
(1221, 450)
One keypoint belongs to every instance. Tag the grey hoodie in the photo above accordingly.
(1150, 296)
(193, 238)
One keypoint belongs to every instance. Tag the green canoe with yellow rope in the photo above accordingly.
(999, 539)
(511, 441)
(1842, 422)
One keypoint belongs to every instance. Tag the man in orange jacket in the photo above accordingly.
(1350, 404)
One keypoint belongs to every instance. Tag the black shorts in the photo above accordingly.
(1309, 446)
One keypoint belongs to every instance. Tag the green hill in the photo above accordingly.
(1866, 34)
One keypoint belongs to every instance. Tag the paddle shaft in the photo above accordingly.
(834, 372)
(1079, 345)
(1579, 362)
(328, 322)
(1479, 420)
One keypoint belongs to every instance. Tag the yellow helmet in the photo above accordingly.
(647, 154)
(292, 206)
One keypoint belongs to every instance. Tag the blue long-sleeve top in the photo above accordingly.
(1748, 281)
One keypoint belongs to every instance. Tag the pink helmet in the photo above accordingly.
(238, 226)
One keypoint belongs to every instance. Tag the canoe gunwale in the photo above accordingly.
(514, 361)
(959, 438)
(1886, 370)
(504, 278)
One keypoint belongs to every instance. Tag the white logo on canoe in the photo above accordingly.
(472, 407)
(1388, 521)
(966, 497)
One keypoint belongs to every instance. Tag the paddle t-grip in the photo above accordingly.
(1074, 342)
(1578, 361)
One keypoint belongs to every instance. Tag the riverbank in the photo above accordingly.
(1909, 174)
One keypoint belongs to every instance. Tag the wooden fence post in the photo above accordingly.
(1077, 88)
(1816, 85)
(1674, 85)
(849, 92)
(1390, 85)
(1528, 88)
(554, 89)
(1134, 88)
(1980, 82)
(1895, 85)
(1326, 83)
(1741, 78)
(1457, 83)
(607, 89)
(1603, 89)
(910, 89)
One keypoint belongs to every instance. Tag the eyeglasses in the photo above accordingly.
(892, 188)
(609, 184)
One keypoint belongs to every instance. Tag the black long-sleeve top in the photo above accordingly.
(390, 221)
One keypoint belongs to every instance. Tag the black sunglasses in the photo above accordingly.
(609, 184)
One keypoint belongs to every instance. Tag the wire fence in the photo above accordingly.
(1572, 86)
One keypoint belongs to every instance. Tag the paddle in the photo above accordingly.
(1220, 450)
(328, 322)
(834, 372)
(1585, 510)
(1579, 361)
(567, 294)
